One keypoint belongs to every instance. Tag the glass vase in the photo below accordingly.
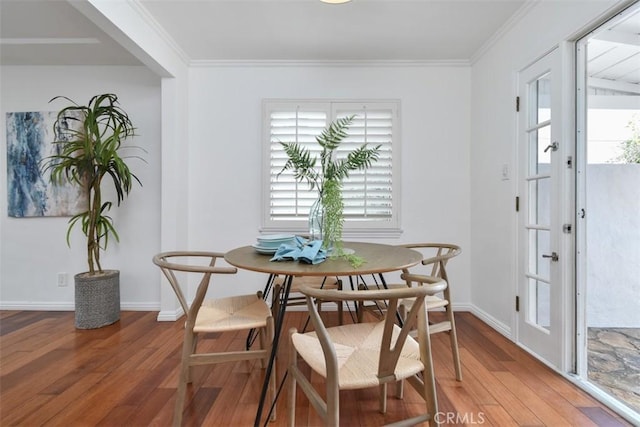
(316, 217)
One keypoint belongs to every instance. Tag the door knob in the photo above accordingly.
(553, 256)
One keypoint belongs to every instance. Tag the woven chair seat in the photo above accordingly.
(232, 314)
(431, 301)
(358, 352)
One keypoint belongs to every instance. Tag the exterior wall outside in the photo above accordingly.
(613, 245)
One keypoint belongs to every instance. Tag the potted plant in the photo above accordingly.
(325, 217)
(90, 140)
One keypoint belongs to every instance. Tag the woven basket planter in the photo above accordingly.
(97, 299)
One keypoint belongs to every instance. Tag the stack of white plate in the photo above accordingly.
(269, 243)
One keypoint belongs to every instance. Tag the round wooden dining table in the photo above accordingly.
(378, 258)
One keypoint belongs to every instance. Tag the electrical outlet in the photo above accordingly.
(62, 280)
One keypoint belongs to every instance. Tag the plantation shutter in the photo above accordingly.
(290, 199)
(368, 195)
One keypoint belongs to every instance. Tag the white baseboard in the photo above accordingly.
(170, 315)
(462, 307)
(70, 306)
(139, 306)
(36, 306)
(492, 321)
(173, 315)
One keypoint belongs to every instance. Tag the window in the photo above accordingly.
(370, 196)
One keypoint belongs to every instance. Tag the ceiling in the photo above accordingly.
(312, 30)
(52, 32)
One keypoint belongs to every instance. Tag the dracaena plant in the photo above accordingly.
(327, 171)
(89, 151)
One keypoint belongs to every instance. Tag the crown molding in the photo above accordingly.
(148, 18)
(328, 63)
(503, 30)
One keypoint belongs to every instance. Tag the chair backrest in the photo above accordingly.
(389, 350)
(438, 255)
(169, 264)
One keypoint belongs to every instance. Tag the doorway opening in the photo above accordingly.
(608, 214)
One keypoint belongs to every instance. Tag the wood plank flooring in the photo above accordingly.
(125, 375)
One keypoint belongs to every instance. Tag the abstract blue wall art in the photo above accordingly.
(29, 141)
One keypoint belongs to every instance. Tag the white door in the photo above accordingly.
(539, 297)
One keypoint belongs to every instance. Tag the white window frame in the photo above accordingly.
(332, 108)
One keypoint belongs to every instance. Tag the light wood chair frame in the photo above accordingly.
(438, 263)
(329, 410)
(190, 358)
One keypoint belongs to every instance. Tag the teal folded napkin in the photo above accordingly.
(302, 250)
(313, 253)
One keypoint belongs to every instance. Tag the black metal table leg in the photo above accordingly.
(279, 321)
(384, 284)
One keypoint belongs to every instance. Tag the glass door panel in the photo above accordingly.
(538, 325)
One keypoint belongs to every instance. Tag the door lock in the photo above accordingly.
(553, 256)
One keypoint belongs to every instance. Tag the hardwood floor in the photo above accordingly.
(125, 375)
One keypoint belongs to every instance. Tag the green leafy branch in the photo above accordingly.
(328, 177)
(353, 259)
(303, 164)
(631, 147)
(333, 218)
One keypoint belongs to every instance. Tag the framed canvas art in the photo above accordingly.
(30, 137)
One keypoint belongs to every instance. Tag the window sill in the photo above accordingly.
(347, 235)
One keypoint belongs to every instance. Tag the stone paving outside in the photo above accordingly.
(614, 362)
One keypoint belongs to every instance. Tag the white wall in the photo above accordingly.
(444, 124)
(33, 250)
(225, 149)
(224, 167)
(493, 143)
